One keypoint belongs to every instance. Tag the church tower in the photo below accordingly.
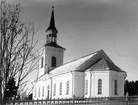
(51, 53)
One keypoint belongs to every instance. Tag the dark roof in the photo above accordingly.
(105, 63)
(54, 45)
(52, 22)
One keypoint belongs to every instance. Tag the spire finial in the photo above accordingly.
(53, 8)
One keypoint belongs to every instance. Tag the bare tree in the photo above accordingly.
(17, 58)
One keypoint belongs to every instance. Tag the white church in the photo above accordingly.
(93, 75)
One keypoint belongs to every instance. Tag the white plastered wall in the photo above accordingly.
(88, 77)
(78, 83)
(62, 78)
(56, 52)
(47, 53)
(108, 78)
(120, 77)
(93, 77)
(38, 86)
(104, 76)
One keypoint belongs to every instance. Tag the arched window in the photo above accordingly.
(35, 92)
(60, 88)
(99, 86)
(53, 62)
(43, 89)
(48, 90)
(42, 60)
(115, 87)
(67, 87)
(54, 89)
(86, 86)
(39, 92)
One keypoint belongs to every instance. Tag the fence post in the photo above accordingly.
(46, 101)
(95, 100)
(58, 101)
(73, 101)
(128, 100)
(53, 102)
(37, 101)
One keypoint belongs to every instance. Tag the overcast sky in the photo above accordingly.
(86, 26)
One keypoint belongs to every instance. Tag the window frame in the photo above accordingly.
(67, 87)
(42, 62)
(54, 90)
(115, 87)
(35, 92)
(99, 86)
(38, 91)
(43, 91)
(53, 61)
(86, 87)
(60, 88)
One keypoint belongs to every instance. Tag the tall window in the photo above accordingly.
(42, 60)
(99, 86)
(54, 92)
(53, 62)
(86, 87)
(43, 91)
(39, 92)
(115, 87)
(60, 88)
(35, 92)
(48, 90)
(67, 87)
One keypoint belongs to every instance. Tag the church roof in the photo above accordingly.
(54, 45)
(88, 62)
(71, 66)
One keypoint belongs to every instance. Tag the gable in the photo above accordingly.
(100, 64)
(104, 64)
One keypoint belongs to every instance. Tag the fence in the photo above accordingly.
(77, 101)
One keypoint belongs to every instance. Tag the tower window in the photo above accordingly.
(42, 60)
(47, 39)
(99, 86)
(53, 62)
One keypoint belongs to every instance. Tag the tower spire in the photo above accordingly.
(52, 21)
(51, 30)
